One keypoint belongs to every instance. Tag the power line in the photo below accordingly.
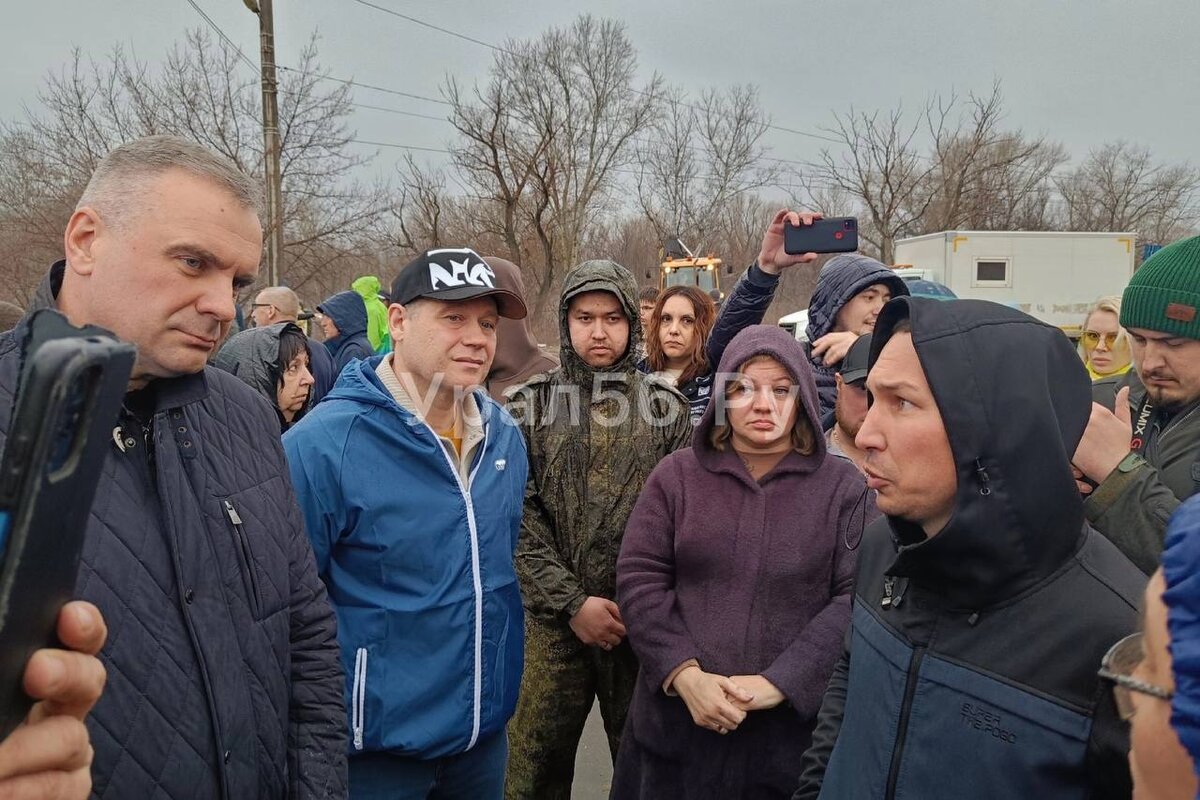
(351, 82)
(496, 48)
(221, 33)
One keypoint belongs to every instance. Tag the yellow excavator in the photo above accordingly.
(681, 267)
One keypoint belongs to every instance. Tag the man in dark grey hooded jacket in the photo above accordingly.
(983, 602)
(596, 427)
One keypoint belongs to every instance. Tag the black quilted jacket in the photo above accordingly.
(224, 675)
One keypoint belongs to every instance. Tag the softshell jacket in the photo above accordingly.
(1132, 507)
(253, 356)
(971, 663)
(594, 436)
(842, 277)
(749, 578)
(419, 566)
(368, 288)
(349, 314)
(223, 673)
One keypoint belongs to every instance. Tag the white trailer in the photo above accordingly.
(1051, 275)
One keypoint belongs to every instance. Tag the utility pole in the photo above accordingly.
(266, 26)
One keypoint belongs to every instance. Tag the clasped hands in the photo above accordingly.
(721, 703)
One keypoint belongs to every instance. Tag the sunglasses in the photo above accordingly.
(1092, 339)
(1118, 666)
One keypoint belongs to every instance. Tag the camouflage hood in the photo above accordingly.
(599, 276)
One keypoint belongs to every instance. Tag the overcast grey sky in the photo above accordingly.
(1082, 72)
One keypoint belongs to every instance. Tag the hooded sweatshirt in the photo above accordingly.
(518, 357)
(748, 577)
(349, 314)
(972, 656)
(253, 356)
(368, 288)
(594, 436)
(842, 277)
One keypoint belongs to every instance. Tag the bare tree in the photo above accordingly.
(882, 168)
(985, 177)
(421, 208)
(698, 159)
(1118, 187)
(204, 91)
(547, 137)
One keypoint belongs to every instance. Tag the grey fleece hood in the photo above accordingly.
(599, 276)
(252, 355)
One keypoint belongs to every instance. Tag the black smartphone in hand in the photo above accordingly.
(72, 384)
(830, 235)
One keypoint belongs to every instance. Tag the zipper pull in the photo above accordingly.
(232, 513)
(984, 480)
(888, 586)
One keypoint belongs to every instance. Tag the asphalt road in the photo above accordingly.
(593, 767)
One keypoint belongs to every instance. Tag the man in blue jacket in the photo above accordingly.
(411, 479)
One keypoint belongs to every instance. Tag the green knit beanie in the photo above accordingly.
(1164, 295)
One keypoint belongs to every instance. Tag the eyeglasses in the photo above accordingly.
(262, 305)
(1092, 339)
(1118, 666)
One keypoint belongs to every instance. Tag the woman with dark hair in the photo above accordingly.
(677, 344)
(734, 583)
(273, 361)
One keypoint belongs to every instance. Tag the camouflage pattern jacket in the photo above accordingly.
(594, 436)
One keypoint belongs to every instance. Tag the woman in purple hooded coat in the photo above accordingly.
(734, 583)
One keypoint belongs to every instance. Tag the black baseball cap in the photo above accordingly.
(454, 273)
(854, 364)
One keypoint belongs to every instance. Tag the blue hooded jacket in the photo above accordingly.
(839, 281)
(419, 568)
(349, 314)
(1181, 570)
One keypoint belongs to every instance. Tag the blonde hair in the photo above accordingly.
(804, 439)
(1112, 304)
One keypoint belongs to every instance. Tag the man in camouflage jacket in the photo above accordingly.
(595, 429)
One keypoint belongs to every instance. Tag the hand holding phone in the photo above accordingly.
(72, 384)
(772, 258)
(833, 235)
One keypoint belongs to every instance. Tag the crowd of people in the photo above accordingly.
(940, 552)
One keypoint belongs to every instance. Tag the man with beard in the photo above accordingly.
(596, 428)
(851, 407)
(1136, 483)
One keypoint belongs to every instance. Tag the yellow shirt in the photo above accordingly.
(469, 425)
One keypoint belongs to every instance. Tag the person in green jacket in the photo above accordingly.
(369, 287)
(595, 428)
(1143, 460)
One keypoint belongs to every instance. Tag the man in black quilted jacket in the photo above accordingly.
(224, 676)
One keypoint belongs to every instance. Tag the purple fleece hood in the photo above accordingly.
(777, 343)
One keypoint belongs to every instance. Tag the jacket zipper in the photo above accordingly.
(910, 689)
(239, 534)
(358, 698)
(476, 578)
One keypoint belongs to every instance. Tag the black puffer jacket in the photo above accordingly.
(972, 657)
(224, 676)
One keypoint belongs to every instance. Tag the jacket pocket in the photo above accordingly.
(358, 698)
(245, 559)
